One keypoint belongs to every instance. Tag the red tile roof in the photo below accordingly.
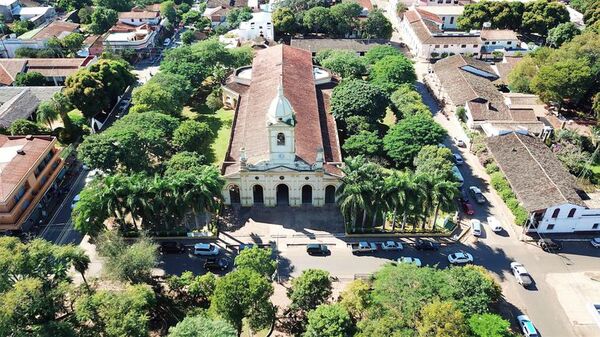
(429, 16)
(139, 15)
(314, 128)
(9, 68)
(56, 29)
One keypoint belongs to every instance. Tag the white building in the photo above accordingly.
(140, 39)
(37, 38)
(283, 147)
(260, 26)
(448, 14)
(542, 185)
(138, 18)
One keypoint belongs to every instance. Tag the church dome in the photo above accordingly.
(280, 110)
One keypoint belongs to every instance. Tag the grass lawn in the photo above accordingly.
(220, 123)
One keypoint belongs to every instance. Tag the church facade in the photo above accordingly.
(283, 148)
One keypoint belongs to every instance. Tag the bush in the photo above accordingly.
(520, 214)
(491, 168)
(461, 113)
(444, 55)
(506, 194)
(499, 182)
(214, 101)
(435, 55)
(512, 203)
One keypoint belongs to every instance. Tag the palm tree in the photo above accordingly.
(414, 194)
(62, 106)
(443, 192)
(46, 113)
(81, 262)
(351, 194)
(397, 186)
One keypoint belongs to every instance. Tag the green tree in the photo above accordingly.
(567, 79)
(167, 10)
(194, 291)
(155, 97)
(21, 27)
(70, 5)
(117, 5)
(345, 15)
(86, 93)
(114, 75)
(244, 294)
(237, 16)
(102, 19)
(365, 143)
(562, 33)
(258, 259)
(310, 289)
(472, 288)
(541, 16)
(188, 37)
(392, 71)
(405, 139)
(90, 211)
(442, 319)
(434, 160)
(46, 113)
(284, 21)
(25, 127)
(519, 79)
(319, 20)
(406, 101)
(329, 320)
(117, 313)
(377, 26)
(202, 326)
(345, 63)
(489, 325)
(72, 43)
(30, 79)
(358, 98)
(131, 263)
(301, 5)
(193, 136)
(184, 161)
(377, 53)
(356, 298)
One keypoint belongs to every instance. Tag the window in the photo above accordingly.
(475, 54)
(509, 42)
(475, 46)
(550, 227)
(280, 139)
(451, 20)
(595, 226)
(437, 46)
(493, 42)
(572, 212)
(555, 213)
(445, 46)
(463, 46)
(487, 43)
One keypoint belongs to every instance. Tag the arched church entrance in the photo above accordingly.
(306, 194)
(257, 194)
(330, 194)
(234, 194)
(283, 195)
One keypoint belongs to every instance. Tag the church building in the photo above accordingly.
(284, 147)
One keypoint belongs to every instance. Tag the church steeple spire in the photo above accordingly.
(280, 110)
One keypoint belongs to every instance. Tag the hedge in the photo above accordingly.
(501, 185)
(491, 168)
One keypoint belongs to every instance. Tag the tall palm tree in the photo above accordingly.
(46, 113)
(414, 194)
(81, 262)
(444, 193)
(397, 187)
(352, 194)
(426, 182)
(62, 105)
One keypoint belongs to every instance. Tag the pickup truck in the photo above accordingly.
(363, 247)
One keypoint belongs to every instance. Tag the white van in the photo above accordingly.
(206, 249)
(476, 227)
(494, 224)
(458, 175)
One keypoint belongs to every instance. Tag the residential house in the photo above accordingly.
(55, 70)
(12, 10)
(283, 147)
(29, 168)
(466, 82)
(141, 39)
(437, 2)
(359, 46)
(139, 17)
(7, 7)
(216, 10)
(504, 41)
(260, 26)
(448, 14)
(37, 38)
(542, 185)
(22, 102)
(92, 46)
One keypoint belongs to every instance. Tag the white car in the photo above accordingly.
(477, 195)
(391, 245)
(410, 260)
(75, 201)
(206, 249)
(527, 327)
(476, 227)
(521, 274)
(460, 258)
(494, 224)
(458, 159)
(595, 242)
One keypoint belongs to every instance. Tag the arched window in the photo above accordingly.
(572, 212)
(280, 139)
(555, 213)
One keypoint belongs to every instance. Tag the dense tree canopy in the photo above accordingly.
(377, 26)
(365, 143)
(379, 52)
(358, 98)
(102, 19)
(193, 136)
(391, 72)
(406, 101)
(405, 139)
(329, 320)
(540, 16)
(129, 263)
(344, 63)
(257, 259)
(31, 78)
(310, 289)
(562, 33)
(202, 326)
(284, 21)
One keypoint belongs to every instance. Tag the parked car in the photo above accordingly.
(476, 227)
(317, 249)
(595, 242)
(459, 178)
(460, 258)
(549, 245)
(213, 263)
(75, 201)
(526, 326)
(459, 142)
(391, 245)
(458, 159)
(410, 260)
(477, 195)
(521, 274)
(421, 244)
(171, 247)
(363, 247)
(206, 249)
(494, 224)
(466, 206)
